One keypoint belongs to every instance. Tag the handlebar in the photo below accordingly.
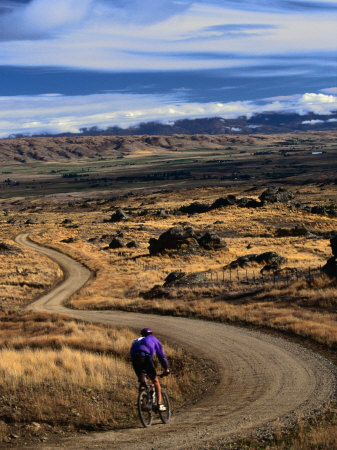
(164, 374)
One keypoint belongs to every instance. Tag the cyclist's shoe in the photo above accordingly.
(162, 407)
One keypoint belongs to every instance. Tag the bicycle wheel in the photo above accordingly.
(145, 408)
(165, 415)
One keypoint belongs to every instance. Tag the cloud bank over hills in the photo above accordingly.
(54, 114)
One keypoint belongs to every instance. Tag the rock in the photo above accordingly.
(211, 241)
(195, 208)
(116, 243)
(156, 292)
(321, 210)
(267, 258)
(191, 279)
(276, 195)
(330, 268)
(174, 276)
(247, 202)
(69, 240)
(66, 221)
(224, 201)
(8, 248)
(162, 213)
(31, 222)
(298, 230)
(132, 244)
(176, 238)
(269, 268)
(118, 216)
(333, 244)
(270, 258)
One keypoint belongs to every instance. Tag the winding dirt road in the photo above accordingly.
(263, 380)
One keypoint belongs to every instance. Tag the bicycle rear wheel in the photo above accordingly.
(145, 408)
(165, 415)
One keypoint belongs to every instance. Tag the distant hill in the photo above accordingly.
(264, 123)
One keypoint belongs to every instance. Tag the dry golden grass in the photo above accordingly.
(122, 275)
(308, 310)
(65, 375)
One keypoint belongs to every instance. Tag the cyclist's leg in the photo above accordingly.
(151, 372)
(158, 390)
(140, 370)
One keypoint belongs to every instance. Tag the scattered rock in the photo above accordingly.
(190, 279)
(268, 258)
(173, 277)
(211, 241)
(247, 202)
(156, 292)
(31, 222)
(132, 244)
(8, 248)
(69, 240)
(116, 243)
(221, 202)
(162, 213)
(195, 208)
(330, 267)
(276, 195)
(333, 244)
(269, 268)
(298, 230)
(118, 216)
(176, 238)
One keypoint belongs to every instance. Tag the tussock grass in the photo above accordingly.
(57, 375)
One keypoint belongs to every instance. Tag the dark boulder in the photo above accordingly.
(8, 248)
(116, 243)
(269, 268)
(211, 241)
(156, 292)
(267, 258)
(191, 279)
(195, 208)
(298, 230)
(333, 244)
(247, 202)
(330, 268)
(270, 258)
(173, 277)
(276, 195)
(132, 244)
(176, 238)
(321, 210)
(118, 216)
(222, 202)
(162, 213)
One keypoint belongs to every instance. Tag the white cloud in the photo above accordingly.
(57, 113)
(152, 34)
(312, 122)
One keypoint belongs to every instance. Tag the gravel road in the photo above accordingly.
(263, 380)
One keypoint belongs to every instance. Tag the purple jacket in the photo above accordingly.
(149, 345)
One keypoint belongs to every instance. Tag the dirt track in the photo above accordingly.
(263, 380)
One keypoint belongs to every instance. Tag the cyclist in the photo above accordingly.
(142, 351)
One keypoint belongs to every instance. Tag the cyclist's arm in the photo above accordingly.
(161, 356)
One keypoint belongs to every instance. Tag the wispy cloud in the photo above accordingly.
(155, 35)
(56, 113)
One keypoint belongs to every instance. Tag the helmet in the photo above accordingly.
(146, 331)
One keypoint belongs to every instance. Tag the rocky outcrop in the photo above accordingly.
(185, 240)
(267, 258)
(118, 216)
(330, 267)
(276, 195)
(195, 208)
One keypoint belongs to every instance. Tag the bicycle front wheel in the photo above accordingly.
(145, 408)
(165, 415)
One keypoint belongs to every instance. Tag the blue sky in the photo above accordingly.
(68, 64)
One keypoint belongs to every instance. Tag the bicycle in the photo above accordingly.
(147, 405)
